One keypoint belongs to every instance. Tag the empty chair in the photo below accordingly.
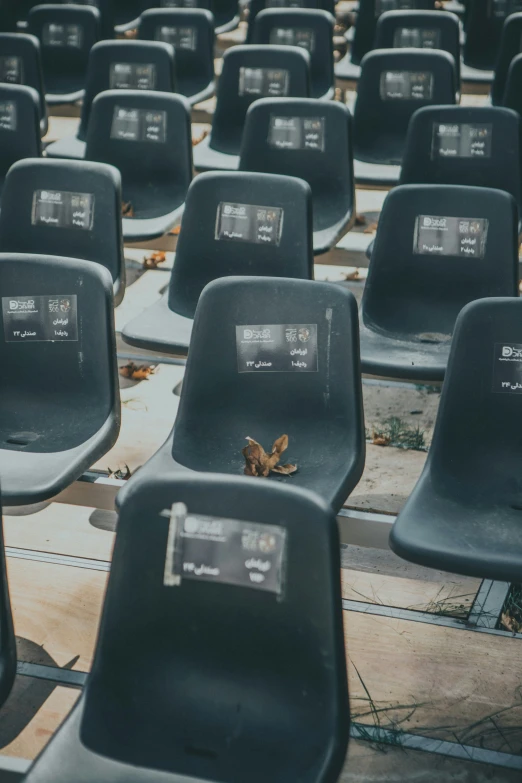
(191, 31)
(437, 248)
(513, 94)
(464, 514)
(119, 65)
(267, 644)
(249, 73)
(310, 139)
(312, 30)
(233, 223)
(67, 35)
(106, 10)
(19, 126)
(420, 30)
(364, 31)
(73, 207)
(59, 403)
(147, 136)
(20, 63)
(256, 6)
(484, 24)
(394, 84)
(510, 46)
(465, 145)
(283, 359)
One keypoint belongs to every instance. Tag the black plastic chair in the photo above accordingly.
(73, 207)
(465, 145)
(310, 29)
(249, 73)
(509, 48)
(147, 136)
(226, 14)
(139, 65)
(364, 31)
(464, 514)
(234, 223)
(310, 139)
(437, 248)
(106, 10)
(20, 63)
(8, 657)
(395, 83)
(283, 358)
(59, 403)
(256, 688)
(19, 127)
(420, 30)
(67, 35)
(256, 6)
(191, 31)
(512, 95)
(484, 25)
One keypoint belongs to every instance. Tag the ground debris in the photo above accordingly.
(137, 372)
(127, 210)
(153, 260)
(395, 432)
(198, 139)
(122, 474)
(261, 464)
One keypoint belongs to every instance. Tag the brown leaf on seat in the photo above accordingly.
(154, 259)
(261, 464)
(127, 210)
(137, 372)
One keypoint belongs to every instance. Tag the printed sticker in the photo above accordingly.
(273, 82)
(416, 38)
(179, 37)
(461, 140)
(67, 35)
(450, 236)
(61, 209)
(139, 125)
(8, 116)
(40, 318)
(277, 348)
(297, 133)
(507, 368)
(11, 70)
(228, 551)
(292, 36)
(406, 85)
(132, 76)
(249, 223)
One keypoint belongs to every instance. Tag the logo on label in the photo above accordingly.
(46, 196)
(230, 210)
(430, 222)
(251, 334)
(203, 527)
(19, 305)
(510, 352)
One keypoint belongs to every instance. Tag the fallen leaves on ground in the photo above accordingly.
(510, 623)
(370, 228)
(137, 372)
(355, 275)
(380, 440)
(175, 231)
(127, 210)
(120, 474)
(261, 464)
(198, 139)
(154, 259)
(360, 219)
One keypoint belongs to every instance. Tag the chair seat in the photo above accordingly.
(207, 159)
(311, 451)
(201, 95)
(59, 98)
(411, 359)
(345, 69)
(375, 173)
(476, 533)
(159, 329)
(68, 759)
(326, 238)
(68, 147)
(469, 74)
(141, 229)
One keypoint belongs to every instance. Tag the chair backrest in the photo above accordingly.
(286, 348)
(484, 24)
(249, 73)
(241, 223)
(367, 16)
(106, 11)
(8, 17)
(64, 206)
(256, 687)
(20, 63)
(310, 29)
(437, 248)
(305, 138)
(513, 95)
(394, 83)
(191, 32)
(125, 65)
(176, 4)
(57, 326)
(465, 145)
(422, 30)
(256, 6)
(67, 35)
(19, 125)
(474, 443)
(510, 46)
(146, 135)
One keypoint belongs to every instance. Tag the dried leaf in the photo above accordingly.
(137, 372)
(261, 464)
(360, 219)
(198, 139)
(355, 275)
(120, 473)
(175, 231)
(127, 210)
(154, 259)
(380, 440)
(371, 228)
